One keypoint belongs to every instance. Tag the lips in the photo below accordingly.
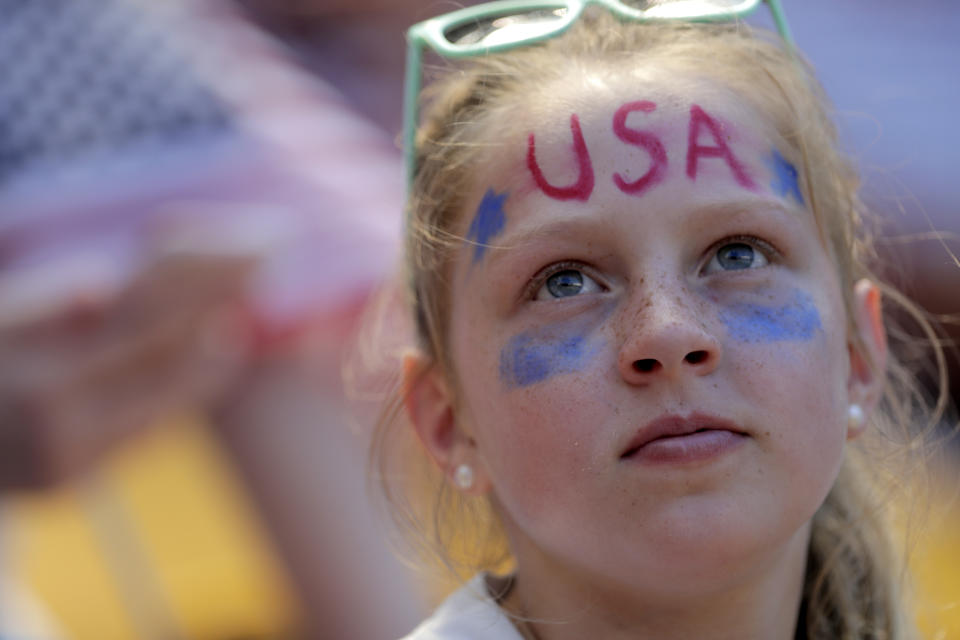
(677, 438)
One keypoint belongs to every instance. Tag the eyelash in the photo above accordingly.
(770, 251)
(538, 280)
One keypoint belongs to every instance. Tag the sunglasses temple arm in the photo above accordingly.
(411, 93)
(411, 90)
(780, 19)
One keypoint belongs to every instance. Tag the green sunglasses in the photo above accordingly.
(508, 24)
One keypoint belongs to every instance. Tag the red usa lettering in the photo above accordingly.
(705, 140)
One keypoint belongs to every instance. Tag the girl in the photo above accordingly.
(650, 358)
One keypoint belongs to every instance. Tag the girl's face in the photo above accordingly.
(649, 338)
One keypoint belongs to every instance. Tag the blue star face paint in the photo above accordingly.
(488, 222)
(796, 321)
(538, 354)
(785, 181)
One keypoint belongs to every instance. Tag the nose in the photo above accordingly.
(666, 337)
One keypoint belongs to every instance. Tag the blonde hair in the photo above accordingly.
(853, 586)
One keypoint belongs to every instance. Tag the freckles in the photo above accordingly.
(795, 321)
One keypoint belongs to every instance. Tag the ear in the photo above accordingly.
(868, 361)
(430, 406)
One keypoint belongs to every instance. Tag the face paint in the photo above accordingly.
(538, 354)
(488, 221)
(579, 190)
(700, 118)
(582, 188)
(645, 139)
(531, 357)
(795, 321)
(785, 178)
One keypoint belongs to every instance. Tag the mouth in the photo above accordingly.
(674, 438)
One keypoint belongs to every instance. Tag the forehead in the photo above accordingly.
(615, 124)
(594, 96)
(598, 88)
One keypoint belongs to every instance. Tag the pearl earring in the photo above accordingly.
(855, 417)
(463, 476)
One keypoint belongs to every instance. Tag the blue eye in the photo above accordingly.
(566, 284)
(736, 256)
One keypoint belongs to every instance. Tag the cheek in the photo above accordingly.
(795, 320)
(794, 369)
(554, 420)
(538, 354)
(536, 440)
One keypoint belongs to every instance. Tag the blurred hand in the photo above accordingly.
(81, 377)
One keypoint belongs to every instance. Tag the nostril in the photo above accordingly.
(696, 357)
(646, 365)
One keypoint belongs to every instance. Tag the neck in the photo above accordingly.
(760, 602)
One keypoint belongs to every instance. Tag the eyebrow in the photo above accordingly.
(587, 222)
(550, 227)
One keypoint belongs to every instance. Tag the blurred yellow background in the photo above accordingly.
(161, 543)
(935, 559)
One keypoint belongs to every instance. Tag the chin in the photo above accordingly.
(708, 551)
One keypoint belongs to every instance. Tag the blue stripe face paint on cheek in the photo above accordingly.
(785, 177)
(488, 221)
(797, 321)
(539, 354)
(532, 357)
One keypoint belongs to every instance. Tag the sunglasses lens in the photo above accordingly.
(690, 8)
(491, 31)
